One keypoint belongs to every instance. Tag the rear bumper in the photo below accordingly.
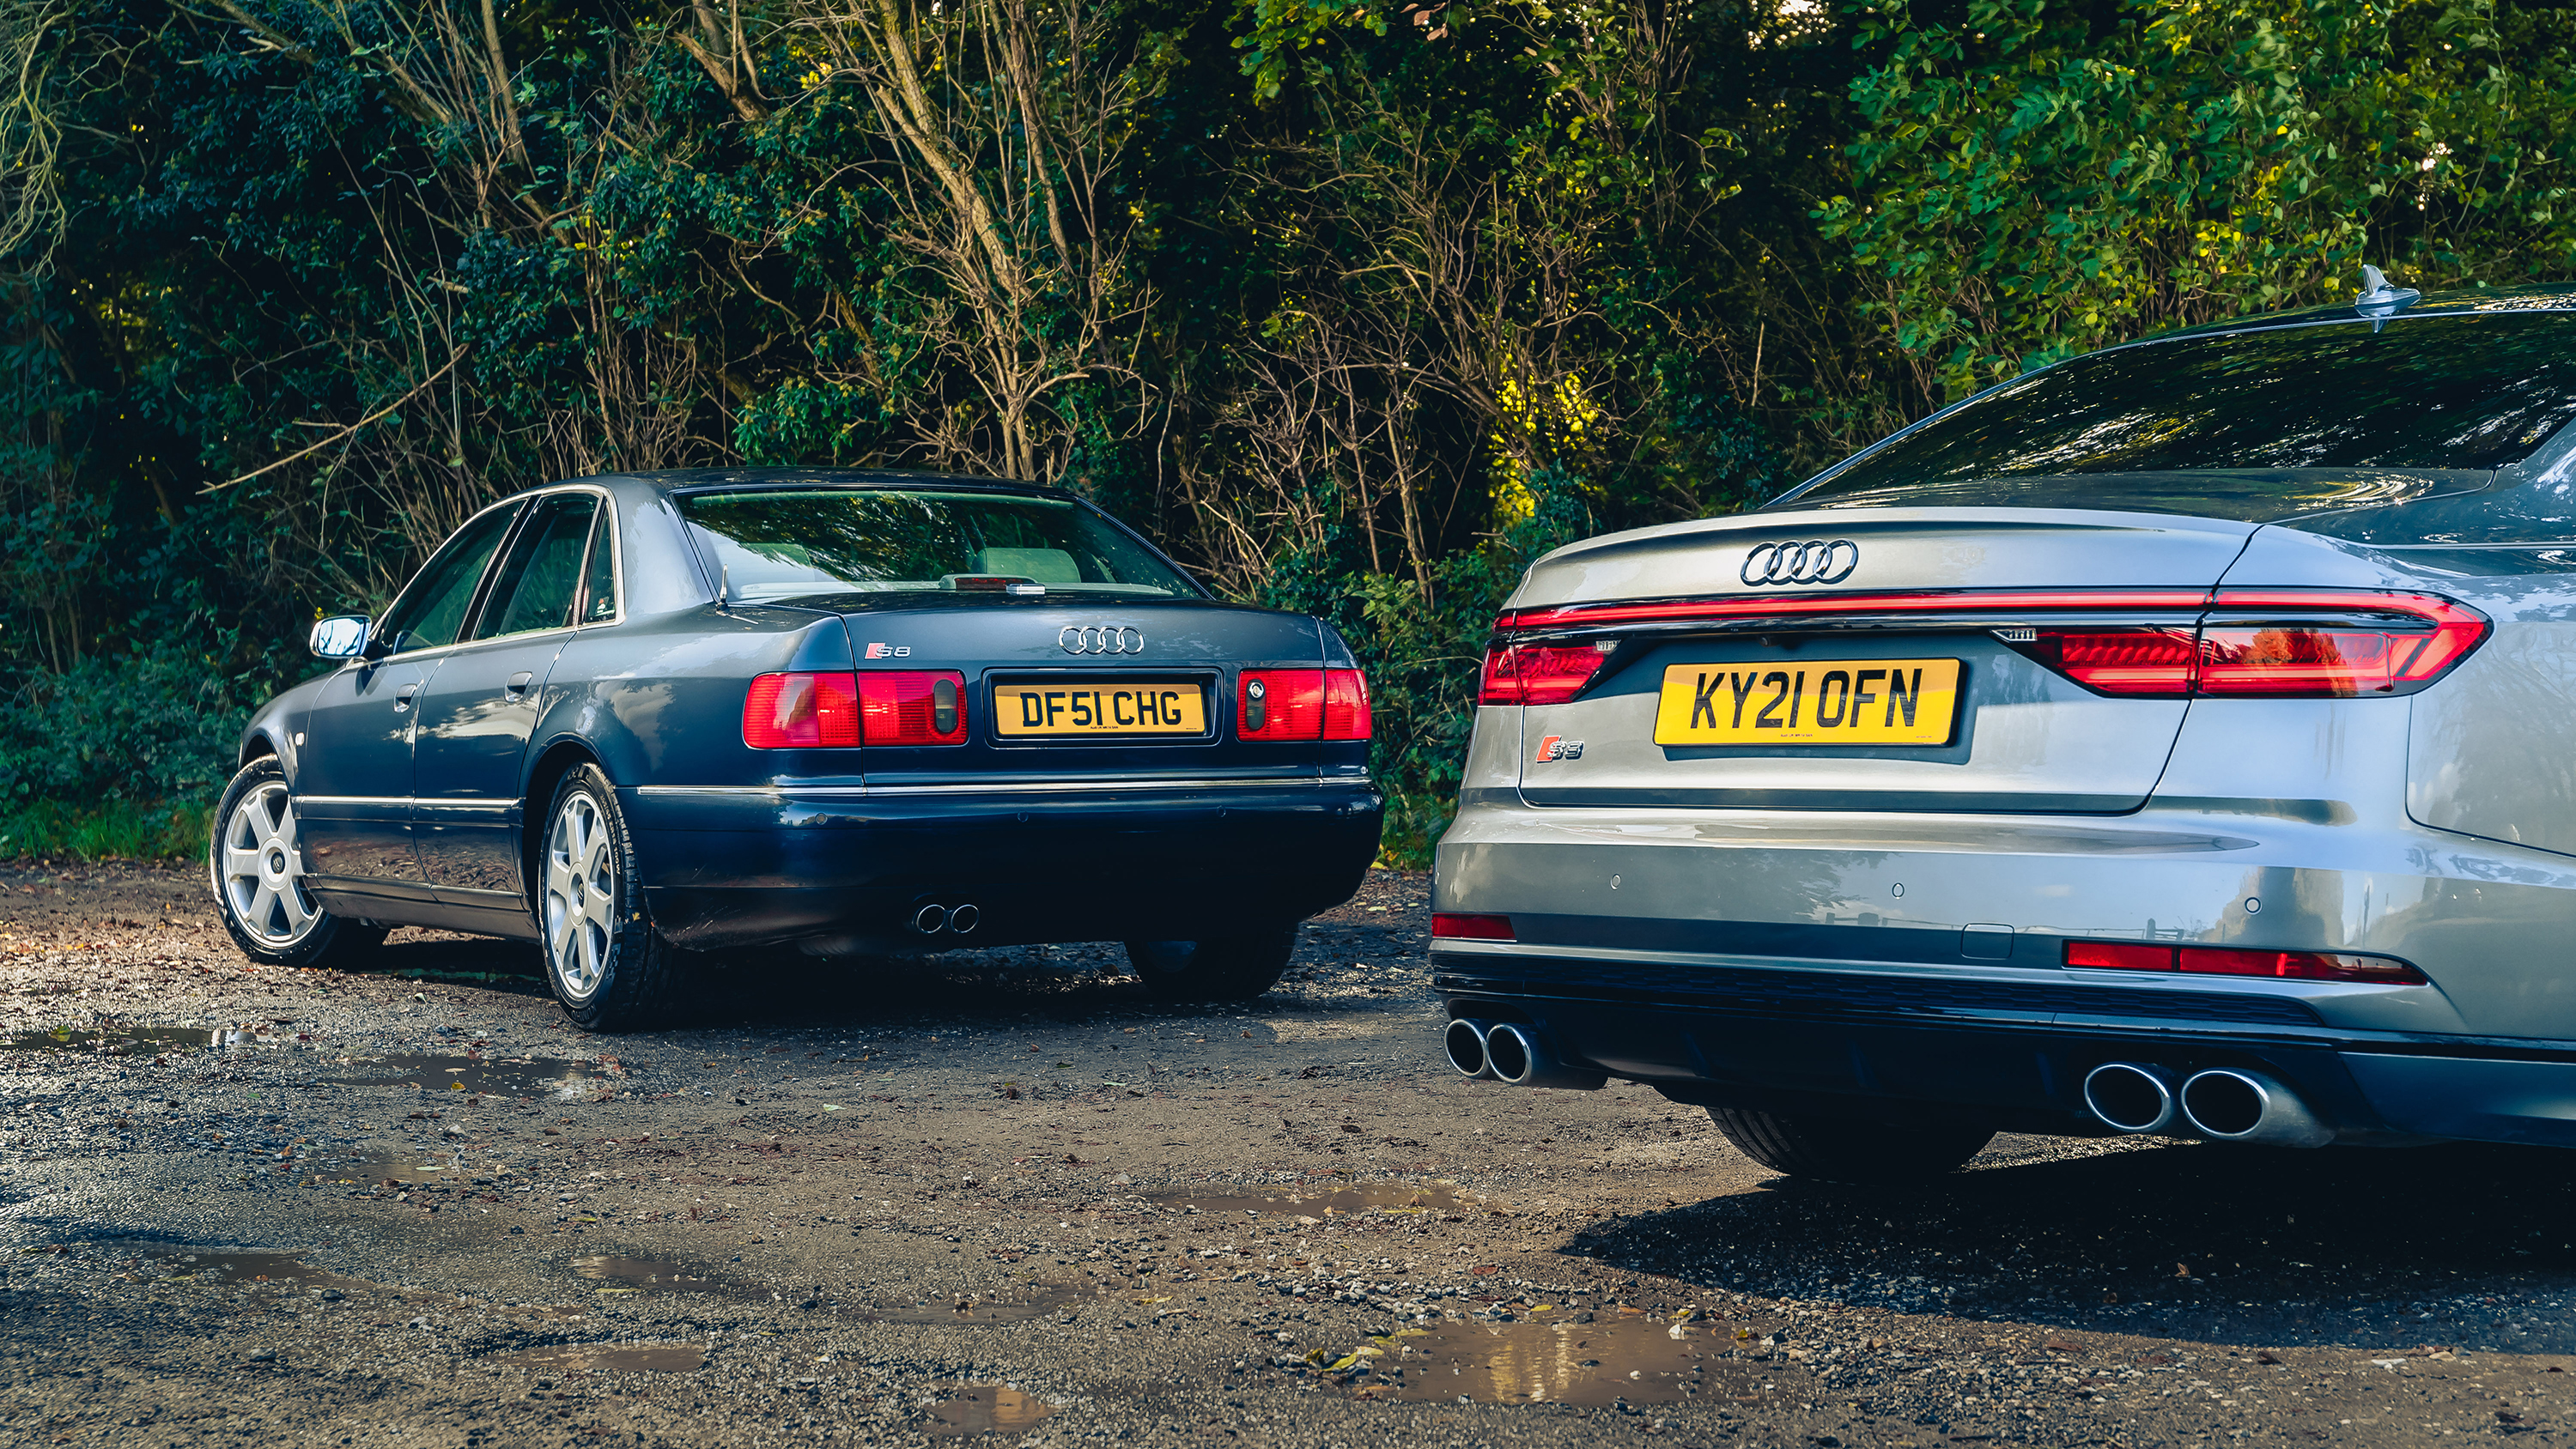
(845, 871)
(1858, 1040)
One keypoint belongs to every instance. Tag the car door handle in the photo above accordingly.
(402, 697)
(517, 686)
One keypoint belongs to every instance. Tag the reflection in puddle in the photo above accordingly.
(128, 1041)
(614, 1358)
(1034, 1301)
(1636, 1361)
(548, 1077)
(649, 1276)
(1392, 1197)
(986, 1409)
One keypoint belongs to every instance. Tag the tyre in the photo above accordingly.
(1839, 1149)
(1223, 968)
(255, 861)
(604, 961)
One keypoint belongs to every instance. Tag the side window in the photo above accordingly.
(599, 591)
(534, 589)
(432, 608)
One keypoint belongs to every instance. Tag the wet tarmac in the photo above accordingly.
(1018, 1196)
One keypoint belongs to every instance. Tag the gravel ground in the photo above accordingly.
(1009, 1194)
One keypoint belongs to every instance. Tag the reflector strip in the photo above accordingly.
(1446, 926)
(2231, 961)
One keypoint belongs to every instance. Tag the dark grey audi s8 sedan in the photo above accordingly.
(647, 720)
(2178, 739)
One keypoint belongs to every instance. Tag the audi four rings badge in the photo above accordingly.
(1813, 562)
(1101, 639)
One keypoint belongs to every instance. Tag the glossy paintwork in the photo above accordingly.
(826, 848)
(2435, 828)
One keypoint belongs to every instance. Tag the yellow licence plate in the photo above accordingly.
(1102, 707)
(1820, 702)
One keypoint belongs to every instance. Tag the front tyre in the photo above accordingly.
(1839, 1149)
(255, 861)
(606, 964)
(1222, 968)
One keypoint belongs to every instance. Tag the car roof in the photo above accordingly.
(2458, 302)
(681, 480)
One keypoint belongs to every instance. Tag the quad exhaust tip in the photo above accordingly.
(1464, 1044)
(2223, 1104)
(2232, 1105)
(2127, 1097)
(1511, 1053)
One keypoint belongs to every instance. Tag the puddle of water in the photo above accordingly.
(1036, 1301)
(253, 1267)
(1318, 1202)
(128, 1041)
(1637, 1361)
(986, 1409)
(648, 1277)
(547, 1077)
(614, 1358)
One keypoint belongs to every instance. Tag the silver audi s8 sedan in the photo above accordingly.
(2178, 739)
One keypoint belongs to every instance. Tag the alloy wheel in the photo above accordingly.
(581, 897)
(262, 868)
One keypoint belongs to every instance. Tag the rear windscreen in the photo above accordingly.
(779, 543)
(2459, 392)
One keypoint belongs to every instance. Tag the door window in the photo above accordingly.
(432, 609)
(535, 587)
(599, 594)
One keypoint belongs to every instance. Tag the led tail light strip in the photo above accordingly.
(2134, 643)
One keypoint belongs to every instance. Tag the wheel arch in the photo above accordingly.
(557, 760)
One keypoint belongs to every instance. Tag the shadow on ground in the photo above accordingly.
(2423, 1245)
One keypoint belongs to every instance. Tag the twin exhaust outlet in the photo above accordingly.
(934, 918)
(2225, 1104)
(1509, 1052)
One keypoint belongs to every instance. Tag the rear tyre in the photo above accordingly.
(608, 967)
(1838, 1149)
(1221, 968)
(255, 860)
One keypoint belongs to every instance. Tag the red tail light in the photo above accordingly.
(1279, 704)
(1301, 704)
(2272, 642)
(2120, 661)
(2228, 961)
(1538, 673)
(1448, 927)
(912, 707)
(800, 711)
(836, 711)
(1346, 705)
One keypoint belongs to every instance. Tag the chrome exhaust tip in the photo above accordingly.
(1517, 1055)
(962, 919)
(2229, 1105)
(2127, 1097)
(930, 919)
(1464, 1043)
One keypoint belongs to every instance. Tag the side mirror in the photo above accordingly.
(344, 637)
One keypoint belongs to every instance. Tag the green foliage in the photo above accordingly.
(1357, 307)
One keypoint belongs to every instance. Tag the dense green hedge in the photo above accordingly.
(1358, 305)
